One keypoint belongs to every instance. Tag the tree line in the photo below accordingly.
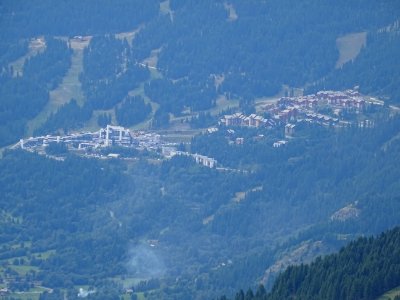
(364, 269)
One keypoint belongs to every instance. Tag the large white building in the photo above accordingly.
(115, 135)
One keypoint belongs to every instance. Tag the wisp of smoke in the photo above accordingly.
(145, 262)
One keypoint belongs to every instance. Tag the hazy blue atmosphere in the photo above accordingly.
(182, 149)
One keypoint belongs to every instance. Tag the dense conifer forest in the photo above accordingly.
(251, 52)
(364, 269)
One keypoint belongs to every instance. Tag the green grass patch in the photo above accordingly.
(69, 88)
(180, 136)
(35, 47)
(165, 7)
(223, 104)
(32, 294)
(129, 35)
(128, 282)
(154, 106)
(261, 102)
(39, 289)
(25, 296)
(349, 47)
(155, 74)
(140, 296)
(45, 254)
(27, 244)
(24, 269)
(92, 125)
(126, 297)
(42, 255)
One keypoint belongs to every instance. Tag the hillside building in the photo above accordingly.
(289, 130)
(115, 135)
(241, 120)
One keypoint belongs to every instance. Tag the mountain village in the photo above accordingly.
(325, 108)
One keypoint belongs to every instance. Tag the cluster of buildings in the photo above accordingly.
(4, 292)
(206, 161)
(200, 159)
(239, 119)
(334, 104)
(279, 144)
(88, 143)
(302, 108)
(306, 108)
(326, 108)
(349, 100)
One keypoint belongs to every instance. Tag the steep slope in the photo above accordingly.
(374, 70)
(237, 50)
(170, 228)
(364, 269)
(82, 221)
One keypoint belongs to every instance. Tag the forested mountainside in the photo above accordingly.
(198, 232)
(25, 20)
(303, 177)
(197, 52)
(364, 269)
(23, 97)
(375, 63)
